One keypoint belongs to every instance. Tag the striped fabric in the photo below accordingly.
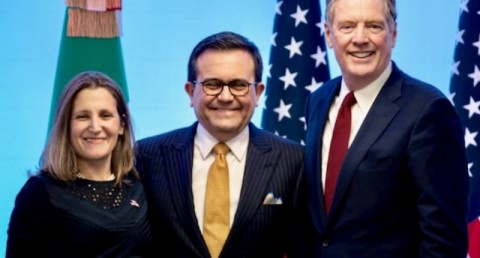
(260, 229)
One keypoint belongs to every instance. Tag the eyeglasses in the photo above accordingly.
(213, 87)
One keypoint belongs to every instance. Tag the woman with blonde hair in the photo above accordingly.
(86, 199)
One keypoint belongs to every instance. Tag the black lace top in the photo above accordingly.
(82, 218)
(102, 194)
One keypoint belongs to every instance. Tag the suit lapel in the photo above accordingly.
(259, 168)
(378, 118)
(178, 159)
(316, 125)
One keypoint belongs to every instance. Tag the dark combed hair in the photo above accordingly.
(225, 41)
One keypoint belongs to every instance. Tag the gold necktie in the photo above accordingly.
(216, 223)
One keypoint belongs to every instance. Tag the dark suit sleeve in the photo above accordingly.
(139, 155)
(437, 161)
(303, 227)
(31, 222)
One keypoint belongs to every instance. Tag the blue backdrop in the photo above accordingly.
(158, 37)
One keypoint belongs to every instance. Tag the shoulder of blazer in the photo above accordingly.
(266, 140)
(402, 84)
(175, 138)
(327, 87)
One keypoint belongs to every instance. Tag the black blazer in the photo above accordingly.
(273, 165)
(402, 189)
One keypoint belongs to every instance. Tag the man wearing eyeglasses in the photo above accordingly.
(255, 216)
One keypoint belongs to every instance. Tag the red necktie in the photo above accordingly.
(338, 147)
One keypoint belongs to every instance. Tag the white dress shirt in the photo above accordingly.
(365, 98)
(203, 157)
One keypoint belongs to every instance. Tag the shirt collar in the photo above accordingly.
(205, 142)
(366, 95)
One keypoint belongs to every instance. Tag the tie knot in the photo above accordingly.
(349, 100)
(221, 148)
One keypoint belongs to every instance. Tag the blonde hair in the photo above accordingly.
(58, 157)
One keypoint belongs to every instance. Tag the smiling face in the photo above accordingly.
(225, 115)
(362, 40)
(95, 126)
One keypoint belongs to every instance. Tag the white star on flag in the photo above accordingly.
(304, 121)
(278, 134)
(321, 25)
(460, 36)
(283, 110)
(299, 16)
(477, 45)
(470, 138)
(288, 79)
(450, 97)
(269, 68)
(455, 68)
(463, 5)
(274, 36)
(294, 47)
(319, 57)
(475, 76)
(314, 85)
(278, 9)
(472, 107)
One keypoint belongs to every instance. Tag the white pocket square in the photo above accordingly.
(271, 200)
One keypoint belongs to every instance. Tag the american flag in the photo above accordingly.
(297, 66)
(465, 94)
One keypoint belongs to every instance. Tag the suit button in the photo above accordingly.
(325, 243)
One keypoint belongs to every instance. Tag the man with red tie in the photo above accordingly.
(385, 159)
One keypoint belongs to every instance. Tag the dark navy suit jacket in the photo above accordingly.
(273, 165)
(402, 189)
